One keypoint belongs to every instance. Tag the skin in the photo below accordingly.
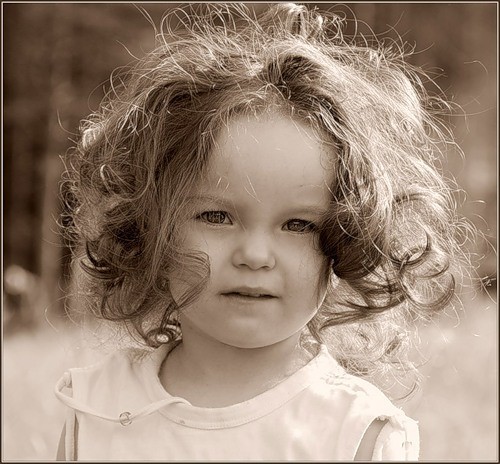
(254, 216)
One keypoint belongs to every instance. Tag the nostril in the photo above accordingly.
(254, 254)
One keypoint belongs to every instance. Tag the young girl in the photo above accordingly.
(257, 202)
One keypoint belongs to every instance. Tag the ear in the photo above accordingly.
(333, 279)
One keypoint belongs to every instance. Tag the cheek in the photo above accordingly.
(198, 239)
(201, 255)
(312, 269)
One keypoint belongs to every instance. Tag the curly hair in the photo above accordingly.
(389, 235)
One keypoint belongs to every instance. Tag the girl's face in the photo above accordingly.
(255, 217)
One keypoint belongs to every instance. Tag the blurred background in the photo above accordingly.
(57, 58)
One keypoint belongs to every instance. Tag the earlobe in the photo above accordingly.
(331, 279)
(334, 279)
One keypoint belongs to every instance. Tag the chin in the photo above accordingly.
(254, 343)
(247, 344)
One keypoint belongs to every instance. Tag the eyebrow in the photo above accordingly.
(210, 198)
(298, 209)
(310, 209)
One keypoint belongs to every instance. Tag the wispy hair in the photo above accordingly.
(390, 232)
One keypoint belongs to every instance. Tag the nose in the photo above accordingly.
(254, 251)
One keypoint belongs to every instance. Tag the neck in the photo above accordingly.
(212, 374)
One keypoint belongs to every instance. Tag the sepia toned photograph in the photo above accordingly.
(249, 231)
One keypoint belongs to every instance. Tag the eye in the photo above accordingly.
(300, 226)
(214, 217)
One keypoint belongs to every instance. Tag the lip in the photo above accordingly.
(249, 292)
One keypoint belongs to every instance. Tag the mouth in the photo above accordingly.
(249, 294)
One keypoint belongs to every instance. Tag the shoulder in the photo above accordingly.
(107, 378)
(334, 383)
(117, 363)
(368, 417)
(398, 440)
(395, 438)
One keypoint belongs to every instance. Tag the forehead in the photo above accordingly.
(269, 151)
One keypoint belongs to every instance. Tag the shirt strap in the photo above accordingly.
(124, 418)
(398, 440)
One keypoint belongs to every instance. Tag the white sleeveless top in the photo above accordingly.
(320, 412)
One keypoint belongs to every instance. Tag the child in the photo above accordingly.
(257, 203)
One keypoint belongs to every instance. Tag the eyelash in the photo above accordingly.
(306, 226)
(207, 214)
(217, 218)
